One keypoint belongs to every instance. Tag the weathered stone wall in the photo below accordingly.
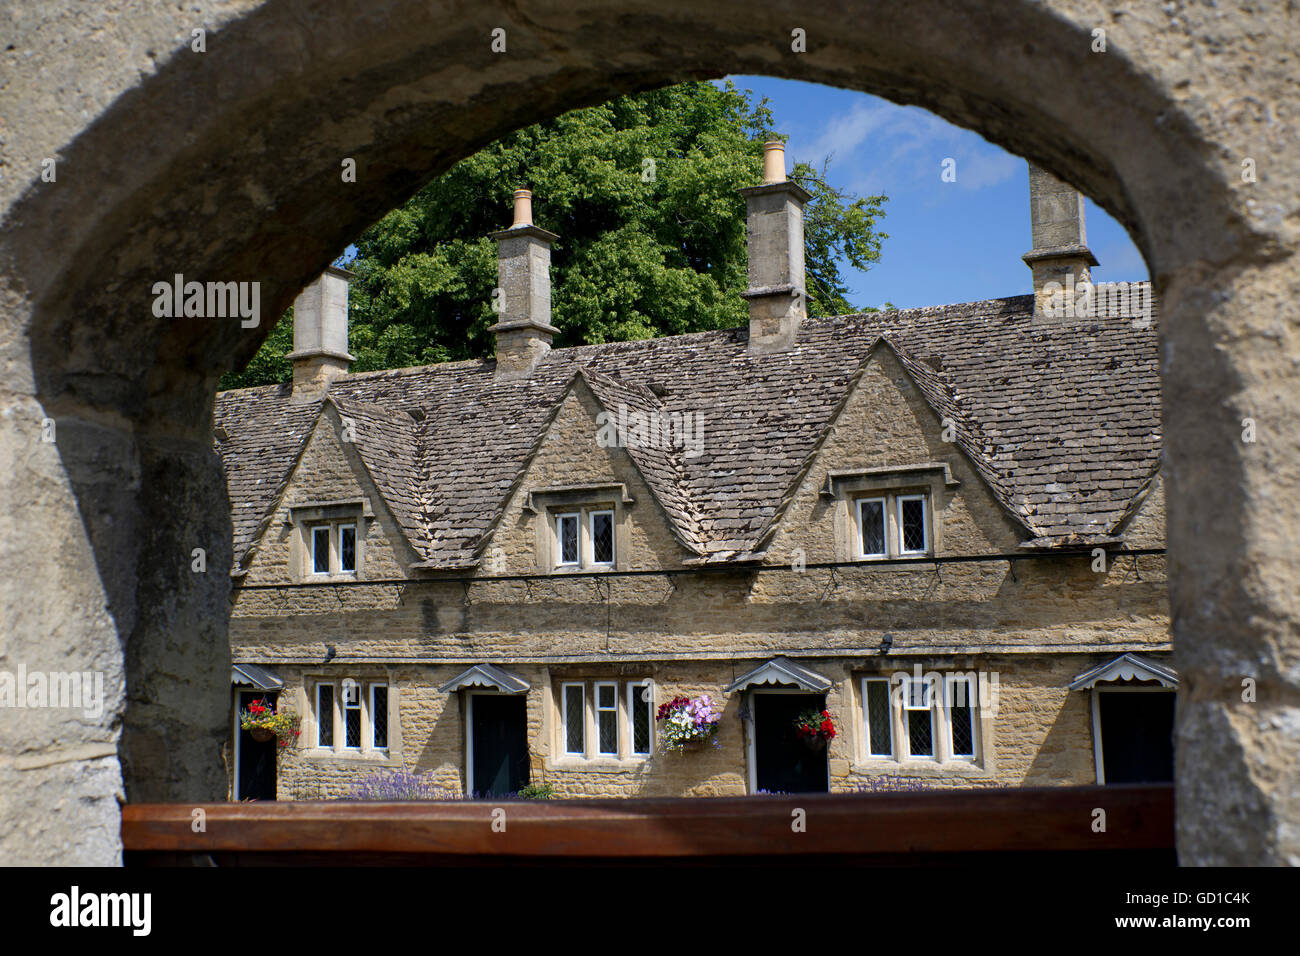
(219, 165)
(693, 634)
(1037, 733)
(1053, 604)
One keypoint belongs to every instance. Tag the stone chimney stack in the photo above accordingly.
(774, 235)
(524, 329)
(1060, 257)
(320, 334)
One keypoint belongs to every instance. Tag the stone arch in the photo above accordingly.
(225, 165)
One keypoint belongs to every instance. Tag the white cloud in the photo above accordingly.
(843, 134)
(881, 147)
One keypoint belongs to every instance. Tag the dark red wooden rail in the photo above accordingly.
(953, 826)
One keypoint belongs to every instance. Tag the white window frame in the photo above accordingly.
(564, 718)
(315, 533)
(344, 526)
(359, 707)
(906, 707)
(634, 689)
(889, 719)
(884, 527)
(972, 702)
(333, 533)
(560, 517)
(597, 710)
(626, 692)
(906, 683)
(925, 524)
(333, 715)
(339, 710)
(939, 697)
(368, 721)
(591, 538)
(891, 504)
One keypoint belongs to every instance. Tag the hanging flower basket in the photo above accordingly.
(813, 742)
(688, 724)
(815, 729)
(263, 723)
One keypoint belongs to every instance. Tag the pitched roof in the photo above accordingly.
(386, 442)
(1061, 421)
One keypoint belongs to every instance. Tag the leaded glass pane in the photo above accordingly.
(573, 720)
(912, 520)
(352, 726)
(873, 527)
(920, 732)
(325, 715)
(602, 537)
(320, 550)
(568, 534)
(961, 714)
(347, 548)
(379, 718)
(881, 739)
(641, 719)
(608, 723)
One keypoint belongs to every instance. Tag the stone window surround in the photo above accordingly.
(304, 516)
(600, 763)
(981, 766)
(339, 754)
(547, 503)
(845, 488)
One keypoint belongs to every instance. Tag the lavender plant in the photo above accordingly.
(399, 785)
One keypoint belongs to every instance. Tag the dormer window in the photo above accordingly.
(580, 527)
(913, 525)
(567, 540)
(329, 538)
(892, 526)
(584, 538)
(333, 547)
(602, 537)
(889, 512)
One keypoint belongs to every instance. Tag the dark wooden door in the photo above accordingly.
(256, 759)
(784, 763)
(500, 735)
(1137, 736)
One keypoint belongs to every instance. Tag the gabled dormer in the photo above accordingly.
(890, 480)
(341, 516)
(585, 500)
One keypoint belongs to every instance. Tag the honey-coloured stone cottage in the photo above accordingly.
(942, 526)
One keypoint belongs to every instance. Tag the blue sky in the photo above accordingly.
(948, 242)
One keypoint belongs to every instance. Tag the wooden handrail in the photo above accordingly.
(1058, 820)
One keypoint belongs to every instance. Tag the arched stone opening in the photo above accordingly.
(225, 165)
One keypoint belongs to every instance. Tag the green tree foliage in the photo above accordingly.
(642, 192)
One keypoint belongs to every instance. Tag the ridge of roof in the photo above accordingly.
(976, 307)
(389, 450)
